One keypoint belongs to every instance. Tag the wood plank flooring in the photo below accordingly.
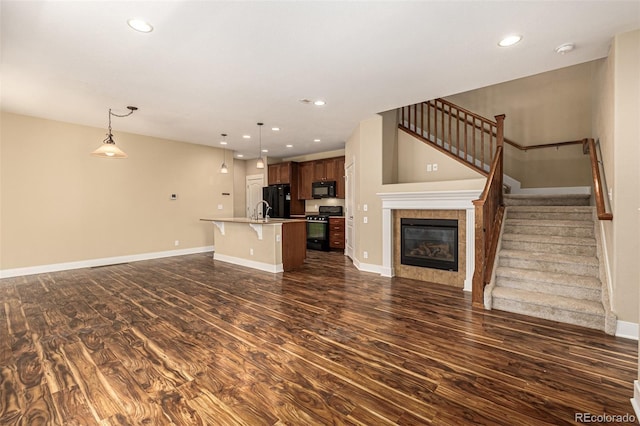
(191, 341)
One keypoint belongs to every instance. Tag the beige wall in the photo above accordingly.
(626, 182)
(59, 204)
(239, 188)
(390, 161)
(554, 106)
(565, 166)
(615, 123)
(414, 155)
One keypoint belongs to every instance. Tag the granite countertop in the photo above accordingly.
(270, 221)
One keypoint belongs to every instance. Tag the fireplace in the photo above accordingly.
(429, 243)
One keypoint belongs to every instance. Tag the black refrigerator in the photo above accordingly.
(279, 199)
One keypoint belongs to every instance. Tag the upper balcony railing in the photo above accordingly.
(466, 136)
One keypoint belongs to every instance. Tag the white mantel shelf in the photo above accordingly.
(428, 200)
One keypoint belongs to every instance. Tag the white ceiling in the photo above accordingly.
(219, 67)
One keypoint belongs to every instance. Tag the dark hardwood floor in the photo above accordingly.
(190, 341)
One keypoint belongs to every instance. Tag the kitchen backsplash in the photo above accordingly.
(311, 206)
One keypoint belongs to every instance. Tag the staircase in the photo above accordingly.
(547, 264)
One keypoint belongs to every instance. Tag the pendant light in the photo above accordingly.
(108, 149)
(260, 162)
(223, 167)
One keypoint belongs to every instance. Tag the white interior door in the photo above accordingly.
(254, 193)
(350, 193)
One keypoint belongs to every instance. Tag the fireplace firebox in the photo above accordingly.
(429, 243)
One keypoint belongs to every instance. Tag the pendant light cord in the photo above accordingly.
(109, 138)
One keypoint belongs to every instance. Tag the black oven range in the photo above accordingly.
(318, 227)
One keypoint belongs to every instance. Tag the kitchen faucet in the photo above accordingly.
(266, 213)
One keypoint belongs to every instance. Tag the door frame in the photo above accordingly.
(350, 186)
(252, 179)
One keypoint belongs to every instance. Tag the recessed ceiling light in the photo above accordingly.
(289, 146)
(223, 143)
(316, 140)
(565, 48)
(140, 25)
(319, 102)
(275, 129)
(510, 40)
(265, 150)
(239, 155)
(246, 136)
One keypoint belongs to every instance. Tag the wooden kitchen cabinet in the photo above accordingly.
(336, 233)
(305, 170)
(328, 169)
(280, 173)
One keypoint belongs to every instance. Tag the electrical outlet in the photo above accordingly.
(176, 243)
(365, 207)
(219, 206)
(610, 194)
(251, 251)
(435, 167)
(365, 254)
(278, 238)
(173, 197)
(365, 220)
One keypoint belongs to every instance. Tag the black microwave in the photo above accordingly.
(324, 189)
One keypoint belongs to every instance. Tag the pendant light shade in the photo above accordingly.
(260, 162)
(109, 149)
(223, 168)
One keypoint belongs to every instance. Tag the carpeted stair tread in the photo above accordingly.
(559, 302)
(550, 223)
(547, 200)
(550, 257)
(585, 313)
(555, 215)
(551, 239)
(552, 209)
(548, 277)
(547, 264)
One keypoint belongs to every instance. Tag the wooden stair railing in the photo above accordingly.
(463, 135)
(489, 213)
(598, 189)
(476, 142)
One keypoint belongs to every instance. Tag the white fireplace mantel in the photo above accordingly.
(428, 200)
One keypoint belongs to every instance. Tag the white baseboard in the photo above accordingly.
(561, 190)
(267, 267)
(635, 401)
(91, 263)
(368, 267)
(628, 330)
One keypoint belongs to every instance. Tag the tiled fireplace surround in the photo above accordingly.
(434, 205)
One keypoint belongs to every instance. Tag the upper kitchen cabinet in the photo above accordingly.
(328, 169)
(306, 170)
(280, 173)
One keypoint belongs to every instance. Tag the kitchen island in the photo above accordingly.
(274, 245)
